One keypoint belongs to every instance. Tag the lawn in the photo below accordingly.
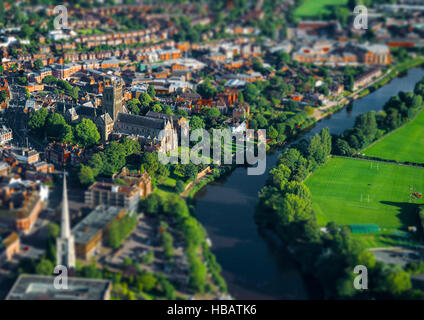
(313, 8)
(403, 144)
(349, 191)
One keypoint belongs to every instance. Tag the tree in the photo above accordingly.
(167, 288)
(162, 173)
(299, 189)
(342, 148)
(50, 80)
(272, 133)
(54, 124)
(212, 112)
(44, 267)
(398, 282)
(130, 146)
(38, 64)
(86, 133)
(282, 57)
(148, 281)
(74, 93)
(86, 175)
(148, 257)
(192, 230)
(156, 107)
(90, 271)
(349, 82)
(26, 31)
(37, 120)
(279, 176)
(145, 100)
(151, 91)
(22, 80)
(206, 89)
(167, 244)
(113, 158)
(316, 150)
(294, 209)
(66, 134)
(96, 164)
(190, 171)
(251, 93)
(65, 85)
(114, 238)
(196, 123)
(151, 162)
(153, 203)
(53, 230)
(134, 106)
(179, 186)
(367, 124)
(198, 273)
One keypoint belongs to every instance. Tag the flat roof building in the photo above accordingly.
(35, 287)
(90, 232)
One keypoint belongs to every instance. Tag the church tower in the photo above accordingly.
(65, 245)
(113, 97)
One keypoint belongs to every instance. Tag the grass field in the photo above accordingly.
(313, 8)
(404, 144)
(349, 191)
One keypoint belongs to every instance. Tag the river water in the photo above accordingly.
(257, 266)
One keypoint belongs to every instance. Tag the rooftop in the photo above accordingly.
(34, 287)
(94, 222)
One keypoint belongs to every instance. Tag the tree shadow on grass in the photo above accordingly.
(406, 213)
(166, 188)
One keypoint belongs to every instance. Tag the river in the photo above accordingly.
(257, 266)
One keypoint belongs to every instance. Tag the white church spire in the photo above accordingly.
(65, 244)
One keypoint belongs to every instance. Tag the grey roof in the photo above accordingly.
(95, 221)
(158, 115)
(34, 287)
(141, 121)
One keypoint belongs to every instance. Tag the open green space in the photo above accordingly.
(351, 191)
(404, 144)
(314, 8)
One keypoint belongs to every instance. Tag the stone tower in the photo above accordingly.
(65, 244)
(113, 98)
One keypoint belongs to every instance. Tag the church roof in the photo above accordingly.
(141, 121)
(158, 115)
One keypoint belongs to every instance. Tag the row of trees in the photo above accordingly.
(54, 126)
(176, 210)
(107, 162)
(285, 202)
(145, 103)
(119, 229)
(371, 126)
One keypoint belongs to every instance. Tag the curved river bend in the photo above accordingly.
(256, 266)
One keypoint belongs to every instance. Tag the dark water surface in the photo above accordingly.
(257, 266)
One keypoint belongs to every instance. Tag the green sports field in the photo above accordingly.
(404, 144)
(349, 191)
(313, 8)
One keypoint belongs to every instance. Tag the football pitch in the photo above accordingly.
(350, 191)
(313, 8)
(404, 144)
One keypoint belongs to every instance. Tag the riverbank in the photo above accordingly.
(389, 75)
(253, 266)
